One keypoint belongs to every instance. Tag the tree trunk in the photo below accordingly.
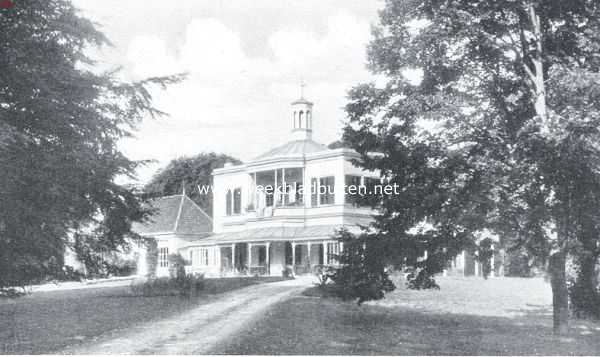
(560, 294)
(587, 300)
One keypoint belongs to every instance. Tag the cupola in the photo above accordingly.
(302, 119)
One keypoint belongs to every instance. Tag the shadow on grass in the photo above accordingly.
(314, 323)
(49, 321)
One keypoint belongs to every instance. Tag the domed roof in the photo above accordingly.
(302, 100)
(294, 148)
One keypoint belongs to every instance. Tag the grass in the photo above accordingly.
(49, 321)
(467, 316)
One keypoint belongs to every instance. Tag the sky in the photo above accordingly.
(245, 61)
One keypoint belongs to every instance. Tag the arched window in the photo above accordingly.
(294, 120)
(308, 120)
(300, 119)
(237, 201)
(228, 203)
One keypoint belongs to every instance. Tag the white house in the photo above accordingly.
(279, 210)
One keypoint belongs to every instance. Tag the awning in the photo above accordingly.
(275, 234)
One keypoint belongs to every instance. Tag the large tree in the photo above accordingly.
(60, 121)
(512, 88)
(192, 173)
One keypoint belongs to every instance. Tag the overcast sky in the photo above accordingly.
(245, 61)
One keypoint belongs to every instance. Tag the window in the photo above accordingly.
(228, 203)
(294, 120)
(327, 190)
(237, 201)
(333, 249)
(203, 256)
(352, 194)
(163, 257)
(314, 192)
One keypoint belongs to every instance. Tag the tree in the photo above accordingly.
(60, 121)
(506, 114)
(191, 172)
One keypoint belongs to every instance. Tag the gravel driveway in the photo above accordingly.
(198, 330)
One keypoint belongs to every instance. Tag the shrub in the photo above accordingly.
(176, 265)
(187, 285)
(151, 257)
(288, 272)
(361, 274)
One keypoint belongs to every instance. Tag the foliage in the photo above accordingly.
(362, 275)
(60, 121)
(176, 265)
(288, 272)
(499, 132)
(337, 144)
(484, 256)
(186, 285)
(584, 287)
(191, 172)
(151, 257)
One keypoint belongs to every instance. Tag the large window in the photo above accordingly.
(237, 201)
(353, 187)
(293, 178)
(203, 256)
(314, 192)
(327, 190)
(228, 203)
(233, 202)
(163, 257)
(333, 250)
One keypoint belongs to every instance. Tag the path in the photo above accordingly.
(198, 330)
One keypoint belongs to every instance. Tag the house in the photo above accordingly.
(176, 221)
(278, 210)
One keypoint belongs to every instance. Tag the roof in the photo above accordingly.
(302, 101)
(294, 148)
(176, 214)
(277, 234)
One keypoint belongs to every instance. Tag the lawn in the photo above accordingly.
(468, 316)
(44, 322)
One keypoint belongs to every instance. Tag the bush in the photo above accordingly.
(151, 257)
(176, 265)
(288, 272)
(361, 274)
(187, 285)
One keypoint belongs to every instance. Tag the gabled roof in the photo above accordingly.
(294, 148)
(176, 214)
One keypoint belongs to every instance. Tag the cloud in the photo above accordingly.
(239, 104)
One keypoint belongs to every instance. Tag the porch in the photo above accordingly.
(274, 257)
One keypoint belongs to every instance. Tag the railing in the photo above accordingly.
(258, 270)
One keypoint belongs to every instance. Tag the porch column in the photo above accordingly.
(268, 259)
(249, 256)
(492, 271)
(293, 255)
(233, 257)
(324, 253)
(308, 255)
(464, 263)
(275, 193)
